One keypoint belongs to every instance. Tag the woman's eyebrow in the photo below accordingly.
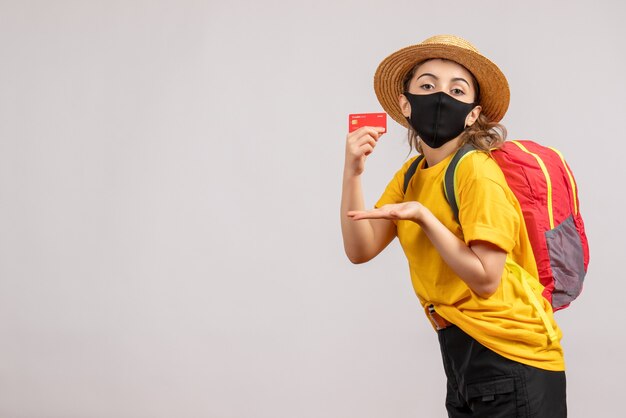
(428, 74)
(437, 78)
(461, 79)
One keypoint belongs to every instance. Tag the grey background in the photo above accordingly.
(170, 177)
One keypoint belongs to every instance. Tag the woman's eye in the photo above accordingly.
(457, 92)
(427, 86)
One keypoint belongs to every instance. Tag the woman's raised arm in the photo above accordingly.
(362, 241)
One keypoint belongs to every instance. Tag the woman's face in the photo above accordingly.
(437, 75)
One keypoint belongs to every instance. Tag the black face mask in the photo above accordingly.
(437, 117)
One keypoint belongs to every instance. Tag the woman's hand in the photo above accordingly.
(360, 144)
(410, 211)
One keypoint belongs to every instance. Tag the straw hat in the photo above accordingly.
(494, 89)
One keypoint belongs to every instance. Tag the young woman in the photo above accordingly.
(499, 358)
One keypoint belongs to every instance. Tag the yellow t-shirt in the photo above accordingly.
(506, 322)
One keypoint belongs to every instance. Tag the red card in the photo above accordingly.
(376, 120)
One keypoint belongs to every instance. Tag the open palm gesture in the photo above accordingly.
(410, 211)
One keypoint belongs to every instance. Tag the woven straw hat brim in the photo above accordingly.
(494, 88)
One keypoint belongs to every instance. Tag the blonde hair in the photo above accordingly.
(483, 134)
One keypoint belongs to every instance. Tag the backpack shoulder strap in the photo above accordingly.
(411, 172)
(449, 187)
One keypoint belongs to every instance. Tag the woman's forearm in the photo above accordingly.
(479, 267)
(362, 240)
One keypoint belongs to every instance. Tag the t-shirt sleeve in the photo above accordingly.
(487, 209)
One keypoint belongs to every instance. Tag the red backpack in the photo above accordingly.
(546, 190)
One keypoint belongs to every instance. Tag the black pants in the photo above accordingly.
(484, 384)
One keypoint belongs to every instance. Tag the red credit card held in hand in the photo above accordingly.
(375, 120)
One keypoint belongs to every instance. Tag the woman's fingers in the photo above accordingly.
(367, 149)
(369, 214)
(367, 130)
(398, 211)
(364, 135)
(359, 142)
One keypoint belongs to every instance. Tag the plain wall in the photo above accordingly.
(170, 178)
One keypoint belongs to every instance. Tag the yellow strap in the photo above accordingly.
(542, 313)
(546, 175)
(571, 179)
(523, 275)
